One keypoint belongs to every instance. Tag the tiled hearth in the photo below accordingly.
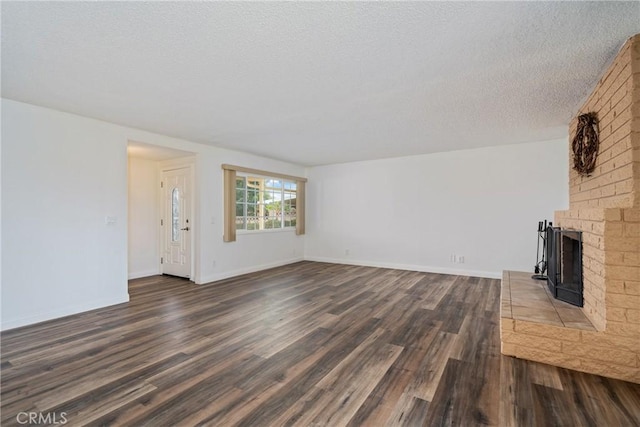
(526, 299)
(535, 326)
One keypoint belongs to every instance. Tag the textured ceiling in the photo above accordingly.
(317, 82)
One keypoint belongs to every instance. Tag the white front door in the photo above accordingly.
(176, 222)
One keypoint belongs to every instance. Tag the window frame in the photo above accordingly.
(229, 198)
(247, 176)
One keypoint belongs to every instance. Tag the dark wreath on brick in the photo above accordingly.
(585, 144)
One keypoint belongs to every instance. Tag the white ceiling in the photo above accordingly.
(317, 82)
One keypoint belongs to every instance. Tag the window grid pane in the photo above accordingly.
(265, 203)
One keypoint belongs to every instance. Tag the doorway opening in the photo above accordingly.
(153, 245)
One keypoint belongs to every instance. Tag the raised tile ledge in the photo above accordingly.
(535, 326)
(527, 299)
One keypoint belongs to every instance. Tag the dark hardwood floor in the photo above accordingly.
(309, 344)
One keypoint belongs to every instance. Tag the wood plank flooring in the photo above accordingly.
(309, 344)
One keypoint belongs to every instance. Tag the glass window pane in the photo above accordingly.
(268, 223)
(265, 203)
(175, 215)
(240, 224)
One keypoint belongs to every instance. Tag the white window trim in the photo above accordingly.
(290, 228)
(229, 198)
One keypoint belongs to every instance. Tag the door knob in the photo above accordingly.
(185, 229)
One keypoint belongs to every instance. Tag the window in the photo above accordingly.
(175, 215)
(265, 203)
(261, 200)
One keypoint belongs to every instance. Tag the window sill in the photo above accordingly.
(268, 231)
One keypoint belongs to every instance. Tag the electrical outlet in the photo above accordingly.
(461, 259)
(452, 258)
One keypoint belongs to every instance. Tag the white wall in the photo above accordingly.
(251, 252)
(144, 241)
(414, 212)
(62, 174)
(1, 224)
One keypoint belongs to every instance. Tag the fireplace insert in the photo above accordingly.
(564, 264)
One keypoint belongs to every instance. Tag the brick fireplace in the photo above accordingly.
(605, 206)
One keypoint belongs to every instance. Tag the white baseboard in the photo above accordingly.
(410, 267)
(246, 270)
(147, 273)
(62, 312)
